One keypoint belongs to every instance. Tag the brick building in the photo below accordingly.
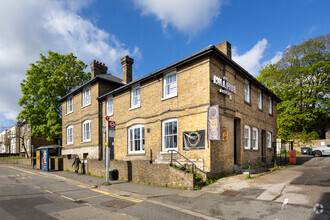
(168, 110)
(81, 114)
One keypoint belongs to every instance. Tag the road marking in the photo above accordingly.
(82, 186)
(118, 196)
(90, 197)
(25, 171)
(68, 198)
(48, 191)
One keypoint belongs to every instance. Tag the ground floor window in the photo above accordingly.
(247, 137)
(255, 138)
(136, 140)
(269, 139)
(170, 134)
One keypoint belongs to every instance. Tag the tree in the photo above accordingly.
(46, 82)
(301, 80)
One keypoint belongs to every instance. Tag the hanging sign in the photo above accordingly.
(194, 140)
(226, 86)
(213, 123)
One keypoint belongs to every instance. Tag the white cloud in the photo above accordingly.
(29, 28)
(188, 16)
(275, 59)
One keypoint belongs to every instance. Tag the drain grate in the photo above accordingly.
(230, 193)
(118, 204)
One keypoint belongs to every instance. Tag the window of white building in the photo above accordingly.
(28, 145)
(136, 140)
(135, 97)
(270, 105)
(69, 135)
(110, 106)
(86, 131)
(260, 99)
(86, 97)
(69, 105)
(247, 91)
(255, 138)
(170, 134)
(269, 139)
(247, 137)
(170, 85)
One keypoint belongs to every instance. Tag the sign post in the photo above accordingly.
(111, 126)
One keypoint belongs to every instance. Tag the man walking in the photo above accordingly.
(76, 163)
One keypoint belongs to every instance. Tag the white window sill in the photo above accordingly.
(87, 141)
(134, 107)
(169, 97)
(69, 113)
(86, 105)
(168, 152)
(110, 115)
(136, 153)
(70, 144)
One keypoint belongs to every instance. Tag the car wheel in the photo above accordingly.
(317, 153)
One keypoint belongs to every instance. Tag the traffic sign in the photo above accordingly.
(112, 124)
(107, 118)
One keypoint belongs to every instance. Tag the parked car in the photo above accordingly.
(320, 151)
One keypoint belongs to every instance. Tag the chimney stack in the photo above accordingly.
(98, 68)
(127, 63)
(225, 47)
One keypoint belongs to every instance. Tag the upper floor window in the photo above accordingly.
(269, 139)
(170, 134)
(135, 97)
(247, 137)
(86, 130)
(86, 97)
(270, 105)
(259, 99)
(28, 145)
(255, 138)
(69, 135)
(69, 105)
(136, 140)
(110, 105)
(170, 85)
(247, 91)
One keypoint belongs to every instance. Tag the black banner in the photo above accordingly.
(194, 140)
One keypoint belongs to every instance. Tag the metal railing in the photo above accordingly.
(193, 165)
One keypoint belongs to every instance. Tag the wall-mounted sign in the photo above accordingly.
(226, 86)
(45, 160)
(224, 134)
(194, 140)
(213, 123)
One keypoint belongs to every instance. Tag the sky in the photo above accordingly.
(155, 33)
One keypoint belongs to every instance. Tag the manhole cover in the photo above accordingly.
(118, 204)
(230, 193)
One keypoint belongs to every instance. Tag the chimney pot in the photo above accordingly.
(127, 63)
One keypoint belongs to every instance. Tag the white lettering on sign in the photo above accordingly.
(225, 85)
(112, 124)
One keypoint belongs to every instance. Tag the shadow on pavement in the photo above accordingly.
(322, 210)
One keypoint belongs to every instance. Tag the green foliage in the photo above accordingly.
(301, 79)
(67, 170)
(212, 180)
(46, 82)
(248, 176)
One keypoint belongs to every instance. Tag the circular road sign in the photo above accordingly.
(112, 124)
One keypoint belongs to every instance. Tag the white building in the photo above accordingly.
(2, 142)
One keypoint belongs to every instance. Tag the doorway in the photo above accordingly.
(237, 125)
(263, 145)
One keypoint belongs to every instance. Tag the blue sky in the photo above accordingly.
(153, 32)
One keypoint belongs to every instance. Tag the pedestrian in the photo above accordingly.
(76, 163)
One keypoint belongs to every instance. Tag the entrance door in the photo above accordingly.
(263, 145)
(237, 122)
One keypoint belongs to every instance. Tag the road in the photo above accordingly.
(31, 194)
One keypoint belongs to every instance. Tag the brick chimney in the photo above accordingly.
(98, 68)
(127, 63)
(225, 47)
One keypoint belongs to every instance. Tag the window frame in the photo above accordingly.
(171, 120)
(133, 89)
(166, 84)
(270, 106)
(131, 143)
(247, 92)
(260, 100)
(256, 146)
(83, 127)
(247, 147)
(69, 103)
(269, 139)
(107, 105)
(86, 98)
(67, 135)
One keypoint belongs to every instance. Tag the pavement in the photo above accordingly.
(300, 187)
